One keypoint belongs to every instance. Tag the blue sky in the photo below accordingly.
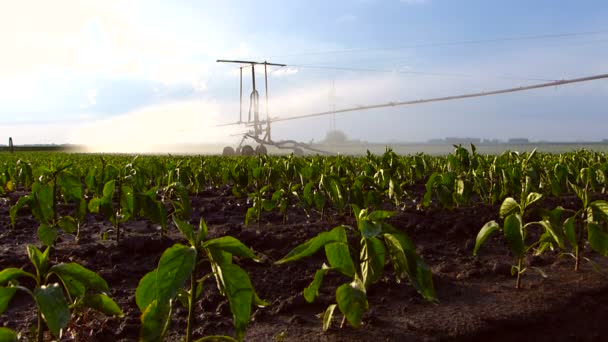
(143, 72)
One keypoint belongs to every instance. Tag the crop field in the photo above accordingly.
(465, 246)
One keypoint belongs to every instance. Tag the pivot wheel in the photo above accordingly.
(247, 151)
(228, 151)
(298, 152)
(260, 150)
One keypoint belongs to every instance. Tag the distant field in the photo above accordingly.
(347, 149)
(442, 149)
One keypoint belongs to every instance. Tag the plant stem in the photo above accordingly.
(191, 302)
(55, 200)
(577, 258)
(519, 266)
(39, 331)
(116, 217)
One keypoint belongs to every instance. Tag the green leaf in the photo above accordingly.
(368, 228)
(70, 186)
(145, 293)
(127, 202)
(319, 199)
(74, 287)
(183, 297)
(231, 245)
(43, 203)
(202, 230)
(6, 294)
(174, 268)
(39, 259)
(240, 294)
(23, 200)
(311, 246)
(186, 229)
(598, 239)
(154, 320)
(108, 190)
(508, 207)
(352, 301)
(600, 209)
(409, 264)
(53, 307)
(380, 215)
(372, 258)
(47, 234)
(312, 291)
(94, 204)
(532, 197)
(67, 224)
(338, 256)
(581, 193)
(250, 215)
(485, 231)
(7, 335)
(327, 316)
(555, 234)
(514, 235)
(88, 278)
(12, 273)
(219, 257)
(435, 178)
(102, 303)
(570, 231)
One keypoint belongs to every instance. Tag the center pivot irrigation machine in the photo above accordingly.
(260, 128)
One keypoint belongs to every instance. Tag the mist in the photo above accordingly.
(171, 128)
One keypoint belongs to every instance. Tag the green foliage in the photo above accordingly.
(158, 289)
(515, 231)
(367, 266)
(53, 306)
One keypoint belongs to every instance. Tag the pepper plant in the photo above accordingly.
(119, 186)
(158, 289)
(515, 231)
(83, 287)
(43, 201)
(377, 239)
(592, 217)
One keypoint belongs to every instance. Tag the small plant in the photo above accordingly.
(158, 289)
(515, 231)
(43, 201)
(50, 296)
(592, 217)
(118, 186)
(377, 239)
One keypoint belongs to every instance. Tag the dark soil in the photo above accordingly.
(477, 298)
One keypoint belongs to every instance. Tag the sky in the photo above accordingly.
(132, 73)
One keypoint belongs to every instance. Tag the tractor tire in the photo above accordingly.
(228, 151)
(247, 151)
(261, 150)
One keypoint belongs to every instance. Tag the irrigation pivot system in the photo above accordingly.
(260, 129)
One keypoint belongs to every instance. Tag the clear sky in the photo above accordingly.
(142, 72)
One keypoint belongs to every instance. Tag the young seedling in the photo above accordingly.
(377, 239)
(515, 231)
(158, 289)
(118, 186)
(591, 216)
(43, 201)
(84, 289)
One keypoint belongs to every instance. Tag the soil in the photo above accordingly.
(477, 298)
